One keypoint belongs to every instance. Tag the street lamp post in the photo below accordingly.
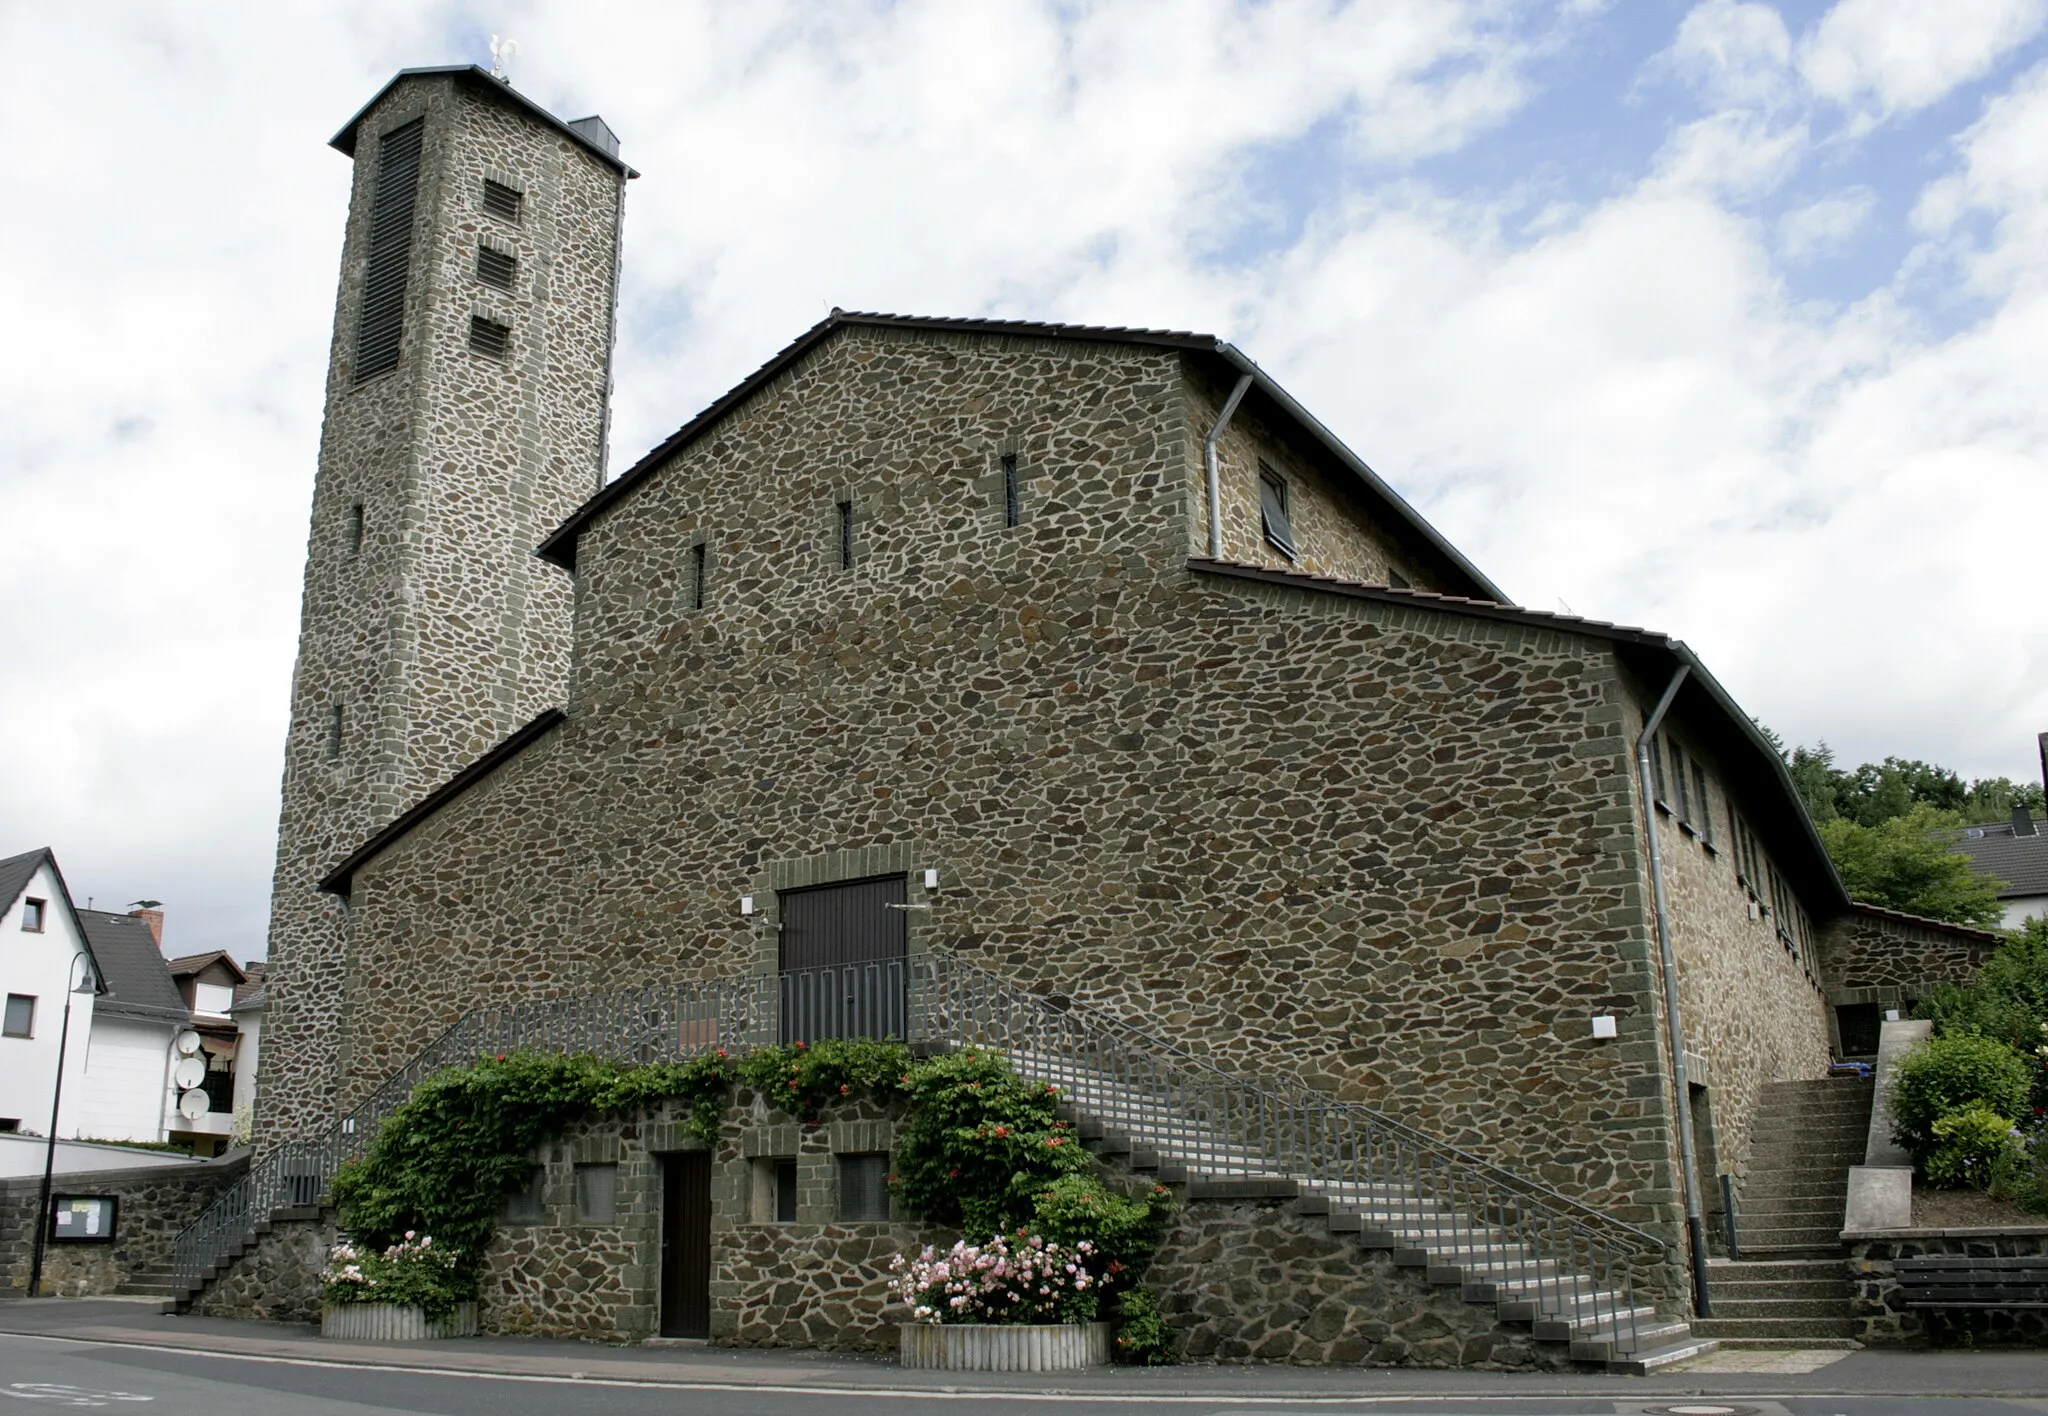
(84, 985)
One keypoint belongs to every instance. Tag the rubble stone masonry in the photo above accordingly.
(440, 632)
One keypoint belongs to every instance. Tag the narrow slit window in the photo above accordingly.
(382, 321)
(1273, 512)
(1011, 510)
(785, 1191)
(864, 1187)
(694, 592)
(845, 513)
(21, 1016)
(496, 267)
(505, 203)
(488, 338)
(333, 731)
(355, 529)
(1681, 805)
(1657, 792)
(1702, 803)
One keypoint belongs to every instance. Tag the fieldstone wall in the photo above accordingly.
(442, 633)
(1750, 998)
(1381, 846)
(1892, 960)
(1875, 1297)
(152, 1206)
(276, 1279)
(1252, 1281)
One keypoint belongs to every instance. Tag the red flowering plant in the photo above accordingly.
(803, 1080)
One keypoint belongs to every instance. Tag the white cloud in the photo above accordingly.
(1621, 405)
(1826, 226)
(1886, 56)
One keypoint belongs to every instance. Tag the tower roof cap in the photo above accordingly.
(592, 140)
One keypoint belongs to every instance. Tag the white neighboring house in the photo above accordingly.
(41, 942)
(212, 986)
(128, 1093)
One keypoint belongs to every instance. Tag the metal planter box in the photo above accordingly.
(389, 1322)
(996, 1347)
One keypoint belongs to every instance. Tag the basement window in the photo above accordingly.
(488, 338)
(864, 1187)
(1273, 512)
(20, 1019)
(502, 201)
(496, 267)
(597, 1193)
(32, 914)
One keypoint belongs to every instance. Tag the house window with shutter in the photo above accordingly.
(1273, 512)
(382, 322)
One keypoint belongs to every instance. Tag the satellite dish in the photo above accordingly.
(189, 1073)
(188, 1043)
(193, 1105)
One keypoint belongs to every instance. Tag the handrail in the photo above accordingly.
(1546, 1249)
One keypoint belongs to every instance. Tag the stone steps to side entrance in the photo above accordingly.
(1790, 1288)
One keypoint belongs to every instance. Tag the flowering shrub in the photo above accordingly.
(413, 1273)
(1016, 1278)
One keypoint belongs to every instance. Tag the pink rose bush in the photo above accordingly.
(1016, 1278)
(415, 1273)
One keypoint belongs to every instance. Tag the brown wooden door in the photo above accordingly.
(843, 953)
(686, 1244)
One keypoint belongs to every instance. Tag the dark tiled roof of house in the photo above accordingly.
(136, 979)
(2020, 861)
(560, 547)
(15, 873)
(195, 963)
(252, 982)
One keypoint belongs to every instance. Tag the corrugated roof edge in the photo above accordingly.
(345, 140)
(1819, 863)
(342, 877)
(1984, 936)
(560, 546)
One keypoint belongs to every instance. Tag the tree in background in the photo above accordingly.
(1877, 792)
(1904, 863)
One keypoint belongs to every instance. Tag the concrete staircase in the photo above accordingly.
(1790, 1288)
(1487, 1265)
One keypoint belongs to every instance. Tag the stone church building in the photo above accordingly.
(1084, 657)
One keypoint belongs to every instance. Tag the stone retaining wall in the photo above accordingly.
(278, 1278)
(152, 1206)
(1874, 1288)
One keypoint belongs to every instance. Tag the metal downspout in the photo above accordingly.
(1210, 462)
(1695, 1221)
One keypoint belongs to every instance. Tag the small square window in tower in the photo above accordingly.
(864, 1187)
(503, 202)
(1273, 512)
(496, 267)
(488, 337)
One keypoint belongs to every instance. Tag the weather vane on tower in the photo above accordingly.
(501, 51)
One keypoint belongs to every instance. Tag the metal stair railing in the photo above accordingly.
(662, 1023)
(1565, 1258)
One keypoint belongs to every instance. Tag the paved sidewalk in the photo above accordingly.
(1870, 1373)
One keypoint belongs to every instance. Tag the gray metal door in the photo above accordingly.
(842, 954)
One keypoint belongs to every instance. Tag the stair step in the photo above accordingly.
(1641, 1364)
(1605, 1344)
(1789, 1344)
(1741, 1291)
(1774, 1327)
(1833, 1306)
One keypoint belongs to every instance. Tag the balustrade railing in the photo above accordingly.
(1563, 1258)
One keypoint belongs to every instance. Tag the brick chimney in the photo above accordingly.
(155, 920)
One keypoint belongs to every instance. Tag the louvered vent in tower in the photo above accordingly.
(495, 267)
(488, 337)
(502, 201)
(391, 210)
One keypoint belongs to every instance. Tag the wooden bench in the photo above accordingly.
(1959, 1281)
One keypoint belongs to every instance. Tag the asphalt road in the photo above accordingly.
(47, 1374)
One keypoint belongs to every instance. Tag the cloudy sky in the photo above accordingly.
(1727, 319)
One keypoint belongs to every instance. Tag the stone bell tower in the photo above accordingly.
(467, 402)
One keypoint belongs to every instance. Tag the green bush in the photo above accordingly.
(413, 1273)
(1948, 1073)
(1971, 1146)
(1142, 1337)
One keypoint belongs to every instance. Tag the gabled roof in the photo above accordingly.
(1939, 926)
(2020, 861)
(137, 981)
(1746, 754)
(589, 133)
(186, 965)
(15, 873)
(1280, 406)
